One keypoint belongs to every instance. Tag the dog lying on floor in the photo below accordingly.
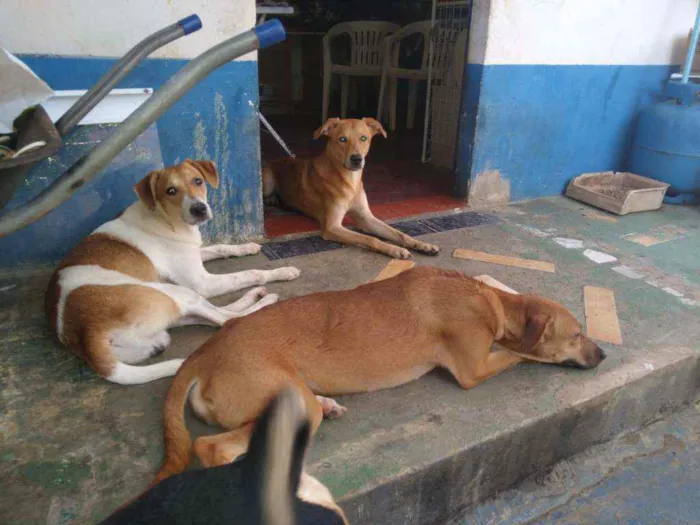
(376, 336)
(329, 186)
(266, 487)
(111, 299)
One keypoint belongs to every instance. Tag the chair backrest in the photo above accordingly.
(445, 43)
(415, 28)
(366, 40)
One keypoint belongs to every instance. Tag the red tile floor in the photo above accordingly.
(397, 183)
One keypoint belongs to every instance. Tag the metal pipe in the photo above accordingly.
(96, 160)
(118, 71)
(693, 46)
(272, 131)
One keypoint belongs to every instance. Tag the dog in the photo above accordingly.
(376, 336)
(113, 297)
(329, 186)
(265, 487)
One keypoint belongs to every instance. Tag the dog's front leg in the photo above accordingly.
(471, 360)
(211, 285)
(222, 251)
(366, 221)
(333, 230)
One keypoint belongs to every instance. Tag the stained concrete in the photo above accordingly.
(650, 476)
(74, 447)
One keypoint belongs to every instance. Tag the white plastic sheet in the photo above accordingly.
(20, 88)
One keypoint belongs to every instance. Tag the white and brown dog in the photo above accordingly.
(114, 296)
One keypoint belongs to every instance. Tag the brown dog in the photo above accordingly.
(329, 186)
(378, 335)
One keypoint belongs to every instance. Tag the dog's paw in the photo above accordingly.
(331, 408)
(428, 249)
(288, 273)
(161, 341)
(250, 248)
(258, 292)
(399, 253)
(271, 298)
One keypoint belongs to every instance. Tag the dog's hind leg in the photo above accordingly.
(220, 449)
(224, 448)
(194, 307)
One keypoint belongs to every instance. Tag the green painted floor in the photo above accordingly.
(74, 447)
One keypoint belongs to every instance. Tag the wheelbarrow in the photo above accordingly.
(34, 124)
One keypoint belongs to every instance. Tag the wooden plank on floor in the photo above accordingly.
(529, 264)
(602, 322)
(393, 268)
(487, 279)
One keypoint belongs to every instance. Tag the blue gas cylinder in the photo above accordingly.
(666, 147)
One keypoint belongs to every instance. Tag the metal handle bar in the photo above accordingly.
(96, 160)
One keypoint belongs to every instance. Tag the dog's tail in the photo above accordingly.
(99, 355)
(178, 442)
(275, 458)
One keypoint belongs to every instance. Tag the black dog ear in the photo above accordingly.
(534, 331)
(275, 458)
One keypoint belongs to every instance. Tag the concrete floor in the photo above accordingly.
(647, 477)
(74, 447)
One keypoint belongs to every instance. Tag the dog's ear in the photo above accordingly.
(375, 126)
(534, 331)
(329, 125)
(208, 170)
(146, 189)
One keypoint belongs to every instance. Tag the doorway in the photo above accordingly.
(410, 173)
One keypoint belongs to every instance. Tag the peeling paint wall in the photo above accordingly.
(217, 120)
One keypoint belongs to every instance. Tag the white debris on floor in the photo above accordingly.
(599, 257)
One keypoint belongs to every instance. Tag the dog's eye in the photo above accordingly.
(343, 139)
(363, 138)
(171, 191)
(198, 181)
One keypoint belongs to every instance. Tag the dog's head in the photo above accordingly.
(349, 140)
(551, 334)
(180, 192)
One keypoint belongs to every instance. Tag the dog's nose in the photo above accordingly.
(356, 160)
(601, 354)
(199, 210)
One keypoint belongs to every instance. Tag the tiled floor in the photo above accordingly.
(397, 183)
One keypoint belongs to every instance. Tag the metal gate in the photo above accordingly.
(448, 51)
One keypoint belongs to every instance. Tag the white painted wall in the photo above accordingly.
(569, 32)
(109, 28)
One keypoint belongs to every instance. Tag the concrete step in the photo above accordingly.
(425, 452)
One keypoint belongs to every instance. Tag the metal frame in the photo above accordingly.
(96, 160)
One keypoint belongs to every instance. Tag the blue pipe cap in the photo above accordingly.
(270, 33)
(190, 24)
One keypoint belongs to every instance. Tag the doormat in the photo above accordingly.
(315, 244)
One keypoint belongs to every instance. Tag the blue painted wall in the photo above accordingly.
(541, 125)
(216, 120)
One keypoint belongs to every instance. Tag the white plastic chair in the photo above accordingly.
(366, 46)
(442, 51)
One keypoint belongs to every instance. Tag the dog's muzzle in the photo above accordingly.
(199, 212)
(355, 162)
